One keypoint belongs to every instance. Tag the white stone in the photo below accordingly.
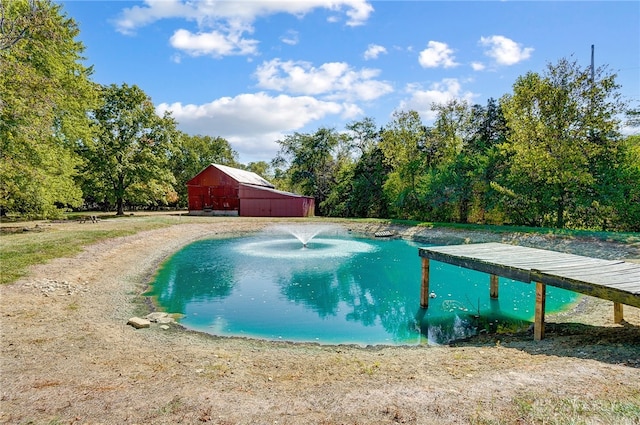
(139, 323)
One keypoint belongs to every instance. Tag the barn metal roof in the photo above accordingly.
(242, 176)
(273, 190)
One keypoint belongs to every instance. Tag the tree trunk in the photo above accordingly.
(120, 195)
(463, 210)
(560, 213)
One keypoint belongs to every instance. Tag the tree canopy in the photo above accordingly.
(562, 138)
(310, 163)
(128, 157)
(45, 92)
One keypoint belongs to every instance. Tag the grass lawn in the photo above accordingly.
(22, 249)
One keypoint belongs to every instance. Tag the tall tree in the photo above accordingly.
(311, 163)
(131, 150)
(20, 20)
(338, 200)
(45, 93)
(562, 126)
(362, 135)
(452, 166)
(368, 198)
(360, 173)
(402, 143)
(452, 127)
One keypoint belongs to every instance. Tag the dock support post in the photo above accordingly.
(538, 326)
(493, 292)
(424, 290)
(617, 313)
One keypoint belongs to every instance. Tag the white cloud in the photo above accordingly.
(152, 11)
(290, 38)
(421, 99)
(252, 123)
(504, 50)
(373, 51)
(212, 43)
(437, 54)
(478, 66)
(213, 11)
(351, 111)
(333, 80)
(358, 11)
(222, 23)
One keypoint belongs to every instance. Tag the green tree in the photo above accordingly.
(338, 200)
(562, 127)
(489, 132)
(451, 165)
(129, 156)
(45, 93)
(310, 163)
(261, 168)
(614, 201)
(353, 144)
(403, 144)
(191, 154)
(368, 197)
(628, 201)
(20, 20)
(362, 135)
(467, 135)
(452, 127)
(360, 174)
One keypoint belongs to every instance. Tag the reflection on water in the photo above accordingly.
(337, 289)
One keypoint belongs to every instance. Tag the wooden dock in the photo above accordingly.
(613, 280)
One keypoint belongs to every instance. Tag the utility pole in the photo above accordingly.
(593, 47)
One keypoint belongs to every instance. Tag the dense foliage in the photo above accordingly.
(127, 157)
(44, 94)
(550, 153)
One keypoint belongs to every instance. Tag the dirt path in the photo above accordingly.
(68, 356)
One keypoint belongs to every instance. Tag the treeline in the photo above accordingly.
(549, 154)
(546, 155)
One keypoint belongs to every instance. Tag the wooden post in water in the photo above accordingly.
(424, 290)
(493, 292)
(538, 325)
(617, 313)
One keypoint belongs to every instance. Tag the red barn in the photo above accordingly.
(222, 190)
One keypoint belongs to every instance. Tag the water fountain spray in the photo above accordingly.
(305, 232)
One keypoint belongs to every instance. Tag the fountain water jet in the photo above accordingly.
(305, 232)
(315, 241)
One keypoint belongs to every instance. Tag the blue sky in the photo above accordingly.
(254, 71)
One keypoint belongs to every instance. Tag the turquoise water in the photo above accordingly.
(338, 289)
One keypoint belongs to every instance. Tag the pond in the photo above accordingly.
(334, 288)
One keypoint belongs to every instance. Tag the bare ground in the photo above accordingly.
(68, 356)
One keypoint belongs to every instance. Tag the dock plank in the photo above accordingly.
(614, 280)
